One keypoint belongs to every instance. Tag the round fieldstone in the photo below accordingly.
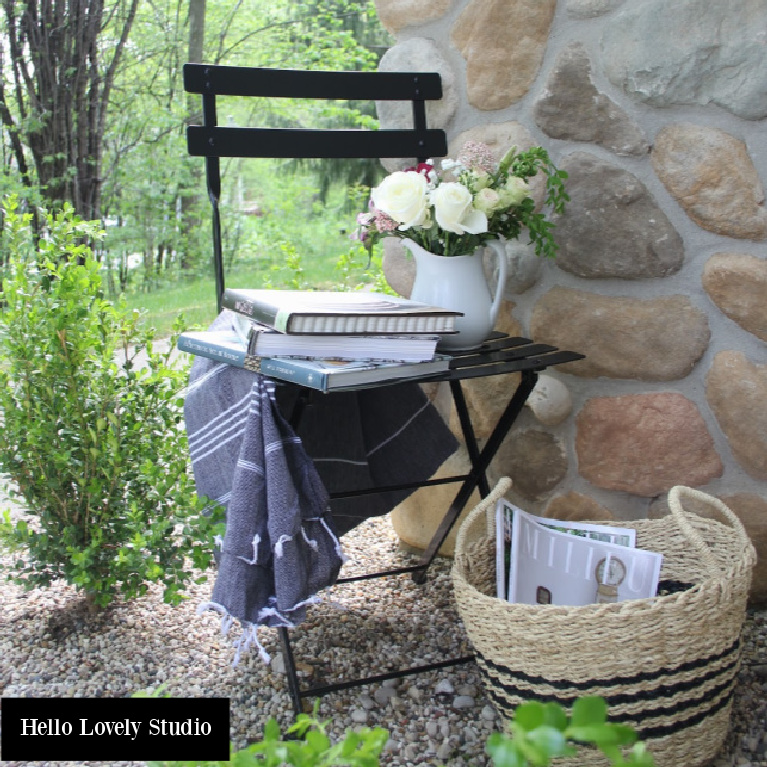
(736, 389)
(501, 63)
(535, 460)
(571, 108)
(612, 226)
(645, 443)
(690, 52)
(737, 284)
(622, 337)
(711, 175)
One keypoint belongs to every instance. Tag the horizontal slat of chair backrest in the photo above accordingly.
(289, 83)
(302, 143)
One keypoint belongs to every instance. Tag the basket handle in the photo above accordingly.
(487, 503)
(681, 516)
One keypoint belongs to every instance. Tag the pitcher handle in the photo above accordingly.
(500, 253)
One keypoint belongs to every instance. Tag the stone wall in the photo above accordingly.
(658, 111)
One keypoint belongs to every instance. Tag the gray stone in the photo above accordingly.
(523, 266)
(623, 337)
(645, 443)
(690, 52)
(501, 62)
(737, 284)
(417, 54)
(711, 174)
(612, 226)
(535, 460)
(571, 108)
(736, 389)
(463, 701)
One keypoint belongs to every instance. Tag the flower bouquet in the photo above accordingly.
(471, 201)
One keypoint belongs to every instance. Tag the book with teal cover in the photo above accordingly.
(323, 374)
(349, 313)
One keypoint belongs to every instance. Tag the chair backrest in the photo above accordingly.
(213, 141)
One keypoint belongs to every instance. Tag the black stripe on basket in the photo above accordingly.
(643, 676)
(646, 732)
(631, 696)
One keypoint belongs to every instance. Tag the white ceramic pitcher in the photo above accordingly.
(458, 283)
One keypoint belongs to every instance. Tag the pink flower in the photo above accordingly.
(382, 222)
(477, 156)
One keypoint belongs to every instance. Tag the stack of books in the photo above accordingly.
(326, 339)
(555, 562)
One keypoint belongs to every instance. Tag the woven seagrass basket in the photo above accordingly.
(667, 666)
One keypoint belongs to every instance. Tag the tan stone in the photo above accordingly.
(398, 14)
(645, 443)
(535, 460)
(576, 507)
(736, 389)
(752, 512)
(498, 137)
(622, 337)
(710, 173)
(737, 284)
(417, 518)
(503, 42)
(751, 509)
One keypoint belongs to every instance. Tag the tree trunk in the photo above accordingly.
(61, 89)
(190, 203)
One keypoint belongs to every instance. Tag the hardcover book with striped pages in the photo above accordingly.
(349, 313)
(264, 341)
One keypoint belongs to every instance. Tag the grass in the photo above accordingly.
(195, 298)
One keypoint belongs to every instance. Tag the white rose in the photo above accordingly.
(487, 200)
(454, 210)
(518, 189)
(402, 196)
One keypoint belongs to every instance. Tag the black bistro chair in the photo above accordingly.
(213, 142)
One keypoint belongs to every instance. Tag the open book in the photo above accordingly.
(549, 561)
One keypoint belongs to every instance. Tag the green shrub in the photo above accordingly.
(93, 443)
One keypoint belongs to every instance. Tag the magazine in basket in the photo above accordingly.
(547, 561)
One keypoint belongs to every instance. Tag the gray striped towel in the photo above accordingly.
(281, 546)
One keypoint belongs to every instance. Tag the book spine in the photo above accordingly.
(285, 370)
(263, 313)
(211, 351)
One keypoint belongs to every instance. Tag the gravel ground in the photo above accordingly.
(50, 646)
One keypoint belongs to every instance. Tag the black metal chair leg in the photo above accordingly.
(479, 467)
(294, 686)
